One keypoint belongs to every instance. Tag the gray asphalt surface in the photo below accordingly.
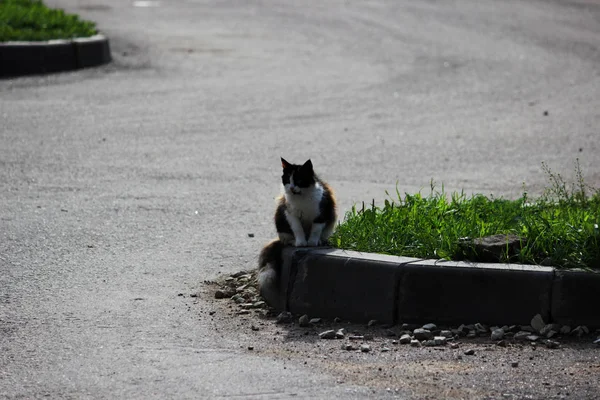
(124, 186)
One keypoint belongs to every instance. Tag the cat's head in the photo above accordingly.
(297, 178)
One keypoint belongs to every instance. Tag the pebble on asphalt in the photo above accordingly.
(497, 334)
(469, 352)
(365, 348)
(514, 364)
(329, 334)
(304, 321)
(422, 334)
(405, 339)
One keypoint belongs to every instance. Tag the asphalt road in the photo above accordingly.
(124, 186)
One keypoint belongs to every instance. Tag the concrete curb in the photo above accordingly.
(358, 287)
(29, 58)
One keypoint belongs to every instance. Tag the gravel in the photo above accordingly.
(469, 352)
(365, 348)
(405, 339)
(497, 334)
(304, 321)
(422, 334)
(537, 323)
(328, 334)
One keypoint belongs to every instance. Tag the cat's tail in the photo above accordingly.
(269, 272)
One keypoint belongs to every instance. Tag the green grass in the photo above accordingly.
(561, 227)
(31, 20)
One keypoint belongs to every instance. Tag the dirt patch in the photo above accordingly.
(514, 369)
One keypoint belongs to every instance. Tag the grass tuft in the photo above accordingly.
(560, 227)
(31, 20)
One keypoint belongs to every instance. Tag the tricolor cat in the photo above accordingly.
(305, 216)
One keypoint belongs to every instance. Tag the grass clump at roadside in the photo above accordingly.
(559, 229)
(31, 20)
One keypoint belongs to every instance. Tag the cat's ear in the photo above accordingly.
(285, 164)
(308, 165)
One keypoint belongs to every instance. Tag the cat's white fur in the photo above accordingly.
(301, 211)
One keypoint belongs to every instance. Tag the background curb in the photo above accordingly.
(358, 287)
(29, 58)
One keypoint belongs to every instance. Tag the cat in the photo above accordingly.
(305, 216)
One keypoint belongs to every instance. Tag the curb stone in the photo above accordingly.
(360, 287)
(29, 58)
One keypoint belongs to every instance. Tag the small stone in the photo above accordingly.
(372, 322)
(459, 357)
(446, 334)
(522, 335)
(550, 327)
(454, 346)
(551, 334)
(502, 343)
(365, 348)
(514, 364)
(251, 235)
(597, 341)
(471, 335)
(537, 323)
(385, 349)
(546, 113)
(429, 343)
(527, 328)
(368, 337)
(429, 327)
(578, 331)
(422, 334)
(469, 352)
(497, 334)
(463, 329)
(284, 317)
(258, 304)
(439, 340)
(585, 329)
(238, 299)
(356, 337)
(348, 347)
(240, 289)
(481, 328)
(250, 347)
(243, 312)
(339, 334)
(532, 338)
(394, 342)
(405, 339)
(565, 329)
(415, 343)
(552, 344)
(223, 294)
(314, 321)
(254, 328)
(304, 321)
(330, 334)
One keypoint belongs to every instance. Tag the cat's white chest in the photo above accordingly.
(306, 207)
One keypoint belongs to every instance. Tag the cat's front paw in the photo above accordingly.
(314, 242)
(300, 242)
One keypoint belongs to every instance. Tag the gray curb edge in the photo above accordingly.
(358, 287)
(30, 58)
